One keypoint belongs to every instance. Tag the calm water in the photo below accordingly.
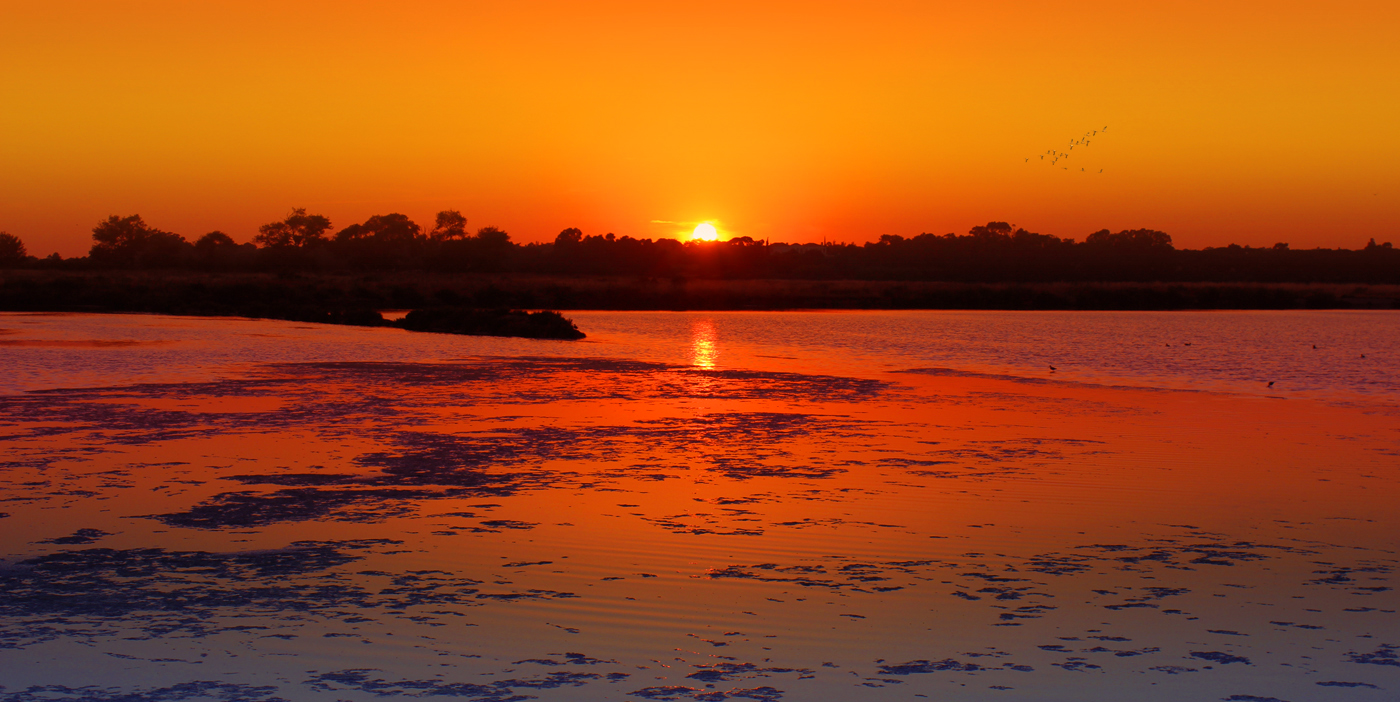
(751, 506)
(1322, 354)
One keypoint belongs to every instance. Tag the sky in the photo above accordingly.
(1245, 122)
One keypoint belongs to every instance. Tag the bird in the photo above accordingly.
(1188, 343)
(1271, 383)
(1028, 159)
(1052, 369)
(1314, 345)
(1101, 170)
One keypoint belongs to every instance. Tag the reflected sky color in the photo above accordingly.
(333, 513)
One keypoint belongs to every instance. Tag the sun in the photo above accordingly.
(704, 231)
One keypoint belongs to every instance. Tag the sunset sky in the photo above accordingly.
(1250, 122)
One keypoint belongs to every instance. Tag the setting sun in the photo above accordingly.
(705, 231)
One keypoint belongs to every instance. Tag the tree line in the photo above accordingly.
(994, 252)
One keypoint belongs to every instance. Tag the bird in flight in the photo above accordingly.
(1056, 155)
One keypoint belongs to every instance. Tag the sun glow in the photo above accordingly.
(703, 350)
(705, 231)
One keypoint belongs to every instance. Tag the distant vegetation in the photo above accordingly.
(993, 253)
(297, 269)
(12, 251)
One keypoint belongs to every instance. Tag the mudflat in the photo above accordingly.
(752, 506)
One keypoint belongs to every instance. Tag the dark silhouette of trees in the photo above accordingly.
(995, 252)
(218, 251)
(493, 238)
(212, 241)
(569, 237)
(128, 242)
(298, 229)
(392, 229)
(213, 244)
(1135, 240)
(449, 225)
(12, 251)
(382, 241)
(489, 250)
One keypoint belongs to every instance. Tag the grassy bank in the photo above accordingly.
(288, 296)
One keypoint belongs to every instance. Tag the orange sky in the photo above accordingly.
(1253, 123)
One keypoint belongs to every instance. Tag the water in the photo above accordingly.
(752, 506)
(1318, 354)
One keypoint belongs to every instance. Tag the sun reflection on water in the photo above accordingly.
(703, 349)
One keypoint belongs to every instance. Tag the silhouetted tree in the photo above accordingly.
(1134, 239)
(450, 225)
(380, 242)
(213, 240)
(493, 237)
(992, 232)
(12, 251)
(298, 229)
(217, 250)
(129, 241)
(569, 237)
(389, 228)
(491, 248)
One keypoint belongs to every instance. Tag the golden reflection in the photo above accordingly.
(703, 349)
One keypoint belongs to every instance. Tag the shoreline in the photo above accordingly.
(274, 295)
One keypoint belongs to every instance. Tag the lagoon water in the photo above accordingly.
(703, 506)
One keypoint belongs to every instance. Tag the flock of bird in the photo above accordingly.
(1056, 156)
